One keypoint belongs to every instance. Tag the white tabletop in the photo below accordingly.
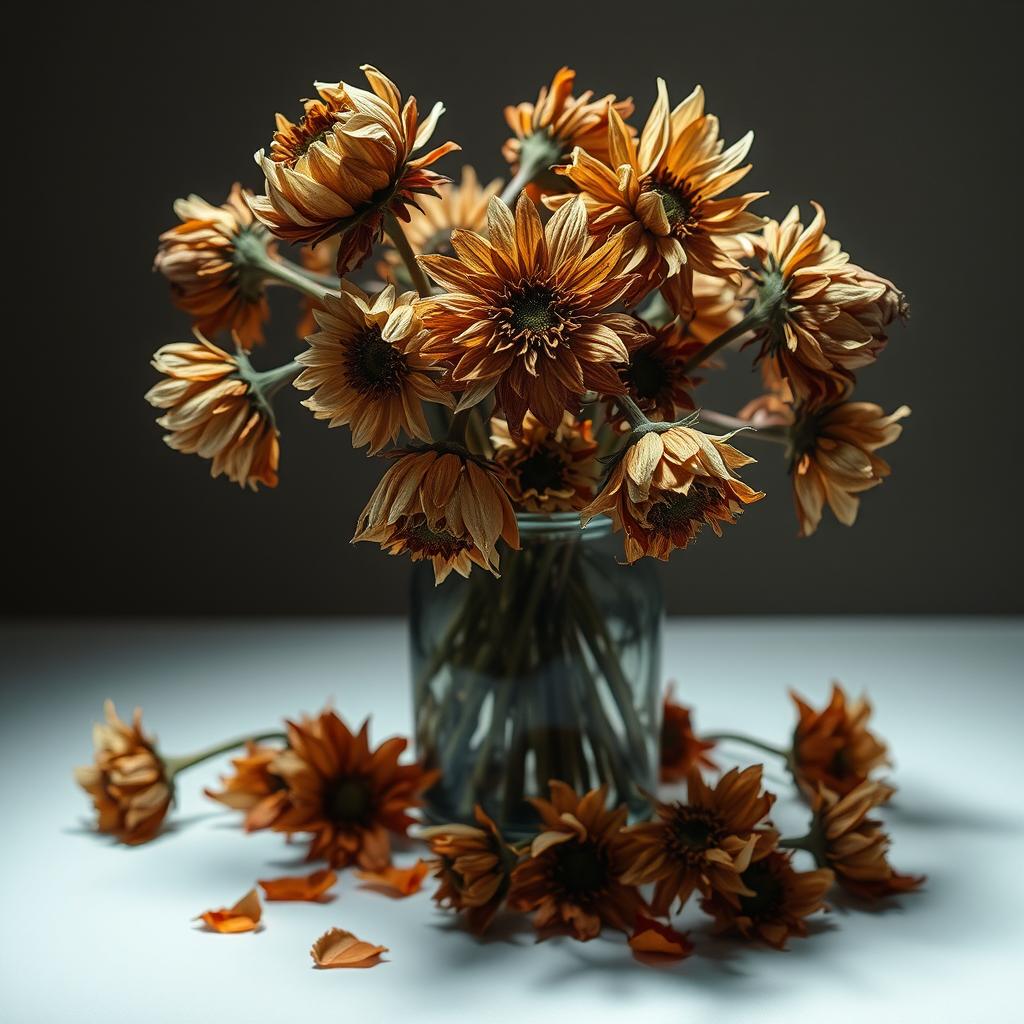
(97, 932)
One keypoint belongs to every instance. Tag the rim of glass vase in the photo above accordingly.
(561, 525)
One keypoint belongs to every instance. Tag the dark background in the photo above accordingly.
(903, 119)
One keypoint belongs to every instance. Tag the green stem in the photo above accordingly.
(270, 382)
(775, 435)
(754, 319)
(174, 765)
(401, 243)
(750, 741)
(523, 176)
(290, 274)
(633, 412)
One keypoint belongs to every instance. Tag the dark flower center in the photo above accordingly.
(768, 891)
(542, 471)
(681, 509)
(581, 869)
(676, 200)
(419, 537)
(691, 831)
(350, 801)
(533, 310)
(647, 374)
(375, 366)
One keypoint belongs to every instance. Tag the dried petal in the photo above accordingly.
(339, 948)
(302, 887)
(244, 916)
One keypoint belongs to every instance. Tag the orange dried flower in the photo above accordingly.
(706, 843)
(252, 787)
(339, 948)
(474, 866)
(244, 916)
(302, 888)
(340, 170)
(854, 846)
(128, 781)
(834, 746)
(780, 900)
(573, 875)
(681, 749)
(651, 937)
(667, 485)
(397, 882)
(347, 796)
(441, 505)
(210, 279)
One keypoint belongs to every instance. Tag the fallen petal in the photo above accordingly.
(339, 948)
(244, 916)
(398, 882)
(300, 887)
(650, 936)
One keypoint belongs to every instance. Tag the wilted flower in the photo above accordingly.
(128, 780)
(681, 749)
(252, 786)
(442, 505)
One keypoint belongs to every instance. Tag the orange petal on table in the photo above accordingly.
(397, 881)
(339, 948)
(242, 917)
(301, 887)
(650, 936)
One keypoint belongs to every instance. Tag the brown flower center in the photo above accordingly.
(374, 366)
(680, 510)
(532, 311)
(691, 831)
(420, 538)
(350, 801)
(768, 890)
(542, 471)
(647, 375)
(580, 869)
(292, 143)
(677, 201)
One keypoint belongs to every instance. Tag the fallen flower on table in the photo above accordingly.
(339, 948)
(244, 916)
(681, 749)
(252, 786)
(308, 888)
(396, 882)
(653, 937)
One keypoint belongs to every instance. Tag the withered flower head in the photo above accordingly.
(781, 900)
(706, 843)
(364, 368)
(667, 187)
(442, 505)
(854, 846)
(204, 258)
(217, 409)
(340, 171)
(825, 316)
(474, 866)
(572, 877)
(349, 797)
(545, 470)
(432, 221)
(548, 130)
(681, 749)
(252, 786)
(526, 315)
(834, 746)
(128, 781)
(669, 484)
(832, 458)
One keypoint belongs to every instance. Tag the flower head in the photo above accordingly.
(706, 843)
(474, 866)
(572, 877)
(781, 898)
(681, 749)
(667, 186)
(834, 746)
(365, 370)
(214, 409)
(204, 259)
(441, 505)
(526, 315)
(128, 781)
(854, 846)
(253, 787)
(548, 130)
(346, 164)
(669, 484)
(349, 797)
(547, 470)
(825, 316)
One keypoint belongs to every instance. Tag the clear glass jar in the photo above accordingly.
(550, 672)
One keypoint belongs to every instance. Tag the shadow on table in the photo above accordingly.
(170, 828)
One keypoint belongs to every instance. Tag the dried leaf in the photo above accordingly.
(396, 882)
(301, 887)
(653, 937)
(244, 916)
(339, 948)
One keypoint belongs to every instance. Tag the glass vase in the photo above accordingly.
(550, 672)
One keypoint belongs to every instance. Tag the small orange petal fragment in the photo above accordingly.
(650, 936)
(397, 882)
(244, 916)
(339, 948)
(300, 887)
